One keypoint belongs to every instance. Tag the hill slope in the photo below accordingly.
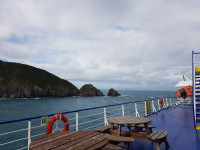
(24, 81)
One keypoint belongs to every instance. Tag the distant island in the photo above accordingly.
(113, 92)
(89, 90)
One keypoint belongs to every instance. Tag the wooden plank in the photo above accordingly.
(157, 134)
(133, 134)
(111, 147)
(99, 145)
(116, 138)
(128, 120)
(56, 141)
(49, 138)
(87, 143)
(142, 126)
(163, 135)
(102, 129)
(65, 143)
(139, 136)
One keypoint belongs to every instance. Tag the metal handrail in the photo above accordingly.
(68, 112)
(104, 112)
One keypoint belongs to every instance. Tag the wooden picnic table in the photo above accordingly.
(70, 140)
(129, 121)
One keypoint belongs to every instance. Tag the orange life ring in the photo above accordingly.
(54, 118)
(161, 102)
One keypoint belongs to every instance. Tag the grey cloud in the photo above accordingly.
(126, 44)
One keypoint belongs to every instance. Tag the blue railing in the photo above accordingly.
(83, 119)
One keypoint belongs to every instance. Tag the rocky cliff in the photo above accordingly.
(24, 81)
(89, 90)
(113, 92)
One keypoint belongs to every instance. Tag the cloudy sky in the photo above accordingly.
(123, 44)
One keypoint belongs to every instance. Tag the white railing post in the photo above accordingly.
(167, 103)
(145, 106)
(105, 117)
(153, 107)
(122, 110)
(136, 111)
(76, 121)
(158, 105)
(29, 133)
(170, 101)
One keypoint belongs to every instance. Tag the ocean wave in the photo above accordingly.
(123, 95)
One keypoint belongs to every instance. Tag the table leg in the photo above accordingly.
(112, 126)
(147, 128)
(120, 127)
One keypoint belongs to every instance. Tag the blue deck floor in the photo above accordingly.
(178, 121)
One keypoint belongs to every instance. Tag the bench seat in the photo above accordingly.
(103, 129)
(159, 136)
(111, 147)
(119, 139)
(141, 127)
(115, 138)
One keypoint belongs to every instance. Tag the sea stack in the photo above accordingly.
(89, 90)
(113, 92)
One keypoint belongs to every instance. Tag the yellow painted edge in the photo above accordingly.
(198, 127)
(197, 69)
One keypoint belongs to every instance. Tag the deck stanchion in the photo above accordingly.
(167, 103)
(158, 104)
(29, 133)
(153, 107)
(145, 106)
(122, 110)
(136, 111)
(170, 102)
(105, 117)
(76, 121)
(165, 106)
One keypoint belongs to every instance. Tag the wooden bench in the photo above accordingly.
(119, 139)
(103, 129)
(159, 136)
(141, 127)
(111, 147)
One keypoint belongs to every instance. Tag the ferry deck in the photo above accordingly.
(177, 120)
(179, 123)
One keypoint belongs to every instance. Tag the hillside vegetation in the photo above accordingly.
(24, 81)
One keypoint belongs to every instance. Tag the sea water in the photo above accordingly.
(14, 108)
